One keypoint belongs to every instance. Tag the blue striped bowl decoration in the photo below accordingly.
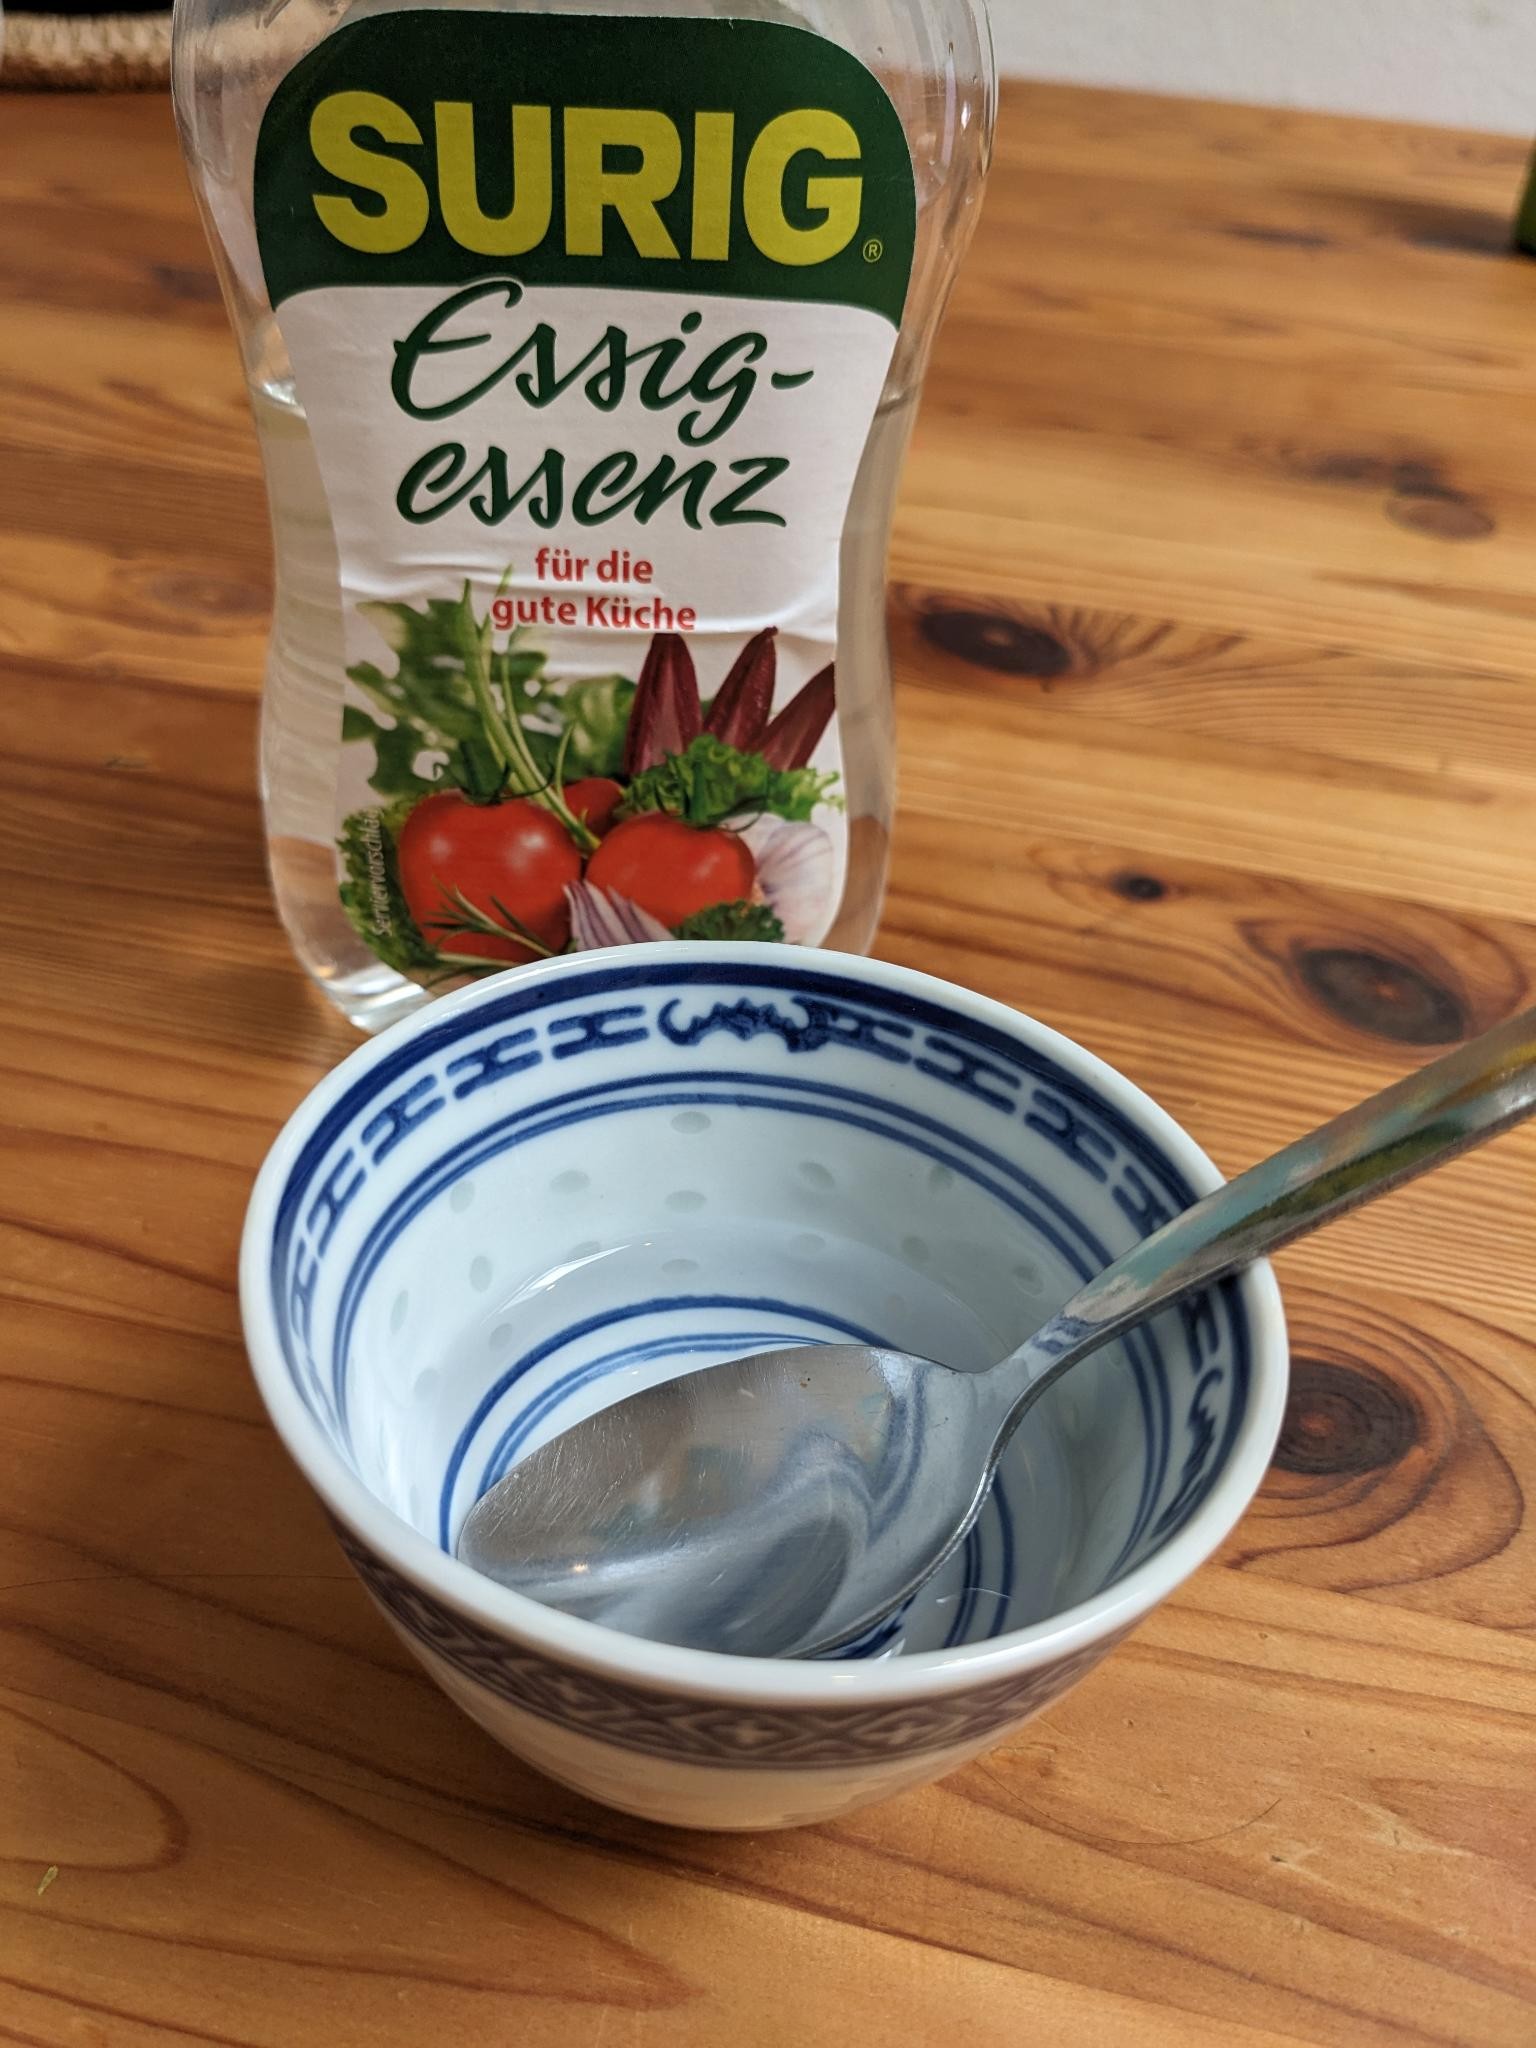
(581, 1178)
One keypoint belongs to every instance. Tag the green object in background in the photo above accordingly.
(1525, 225)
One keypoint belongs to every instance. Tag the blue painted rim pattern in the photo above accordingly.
(677, 1729)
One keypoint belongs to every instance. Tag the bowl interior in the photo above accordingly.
(582, 1182)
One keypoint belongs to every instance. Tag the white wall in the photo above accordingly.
(1469, 63)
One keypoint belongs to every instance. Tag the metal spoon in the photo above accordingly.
(786, 1504)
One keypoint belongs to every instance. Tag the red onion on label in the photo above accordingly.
(796, 872)
(601, 918)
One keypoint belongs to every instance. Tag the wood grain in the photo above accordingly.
(1216, 624)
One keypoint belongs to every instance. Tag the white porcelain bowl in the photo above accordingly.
(588, 1175)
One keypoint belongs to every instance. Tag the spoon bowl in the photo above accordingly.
(751, 1508)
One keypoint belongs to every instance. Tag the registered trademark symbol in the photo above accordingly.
(874, 249)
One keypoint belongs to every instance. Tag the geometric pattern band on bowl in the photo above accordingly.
(695, 1731)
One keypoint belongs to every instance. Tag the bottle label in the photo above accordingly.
(590, 317)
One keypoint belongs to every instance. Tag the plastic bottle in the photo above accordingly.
(583, 344)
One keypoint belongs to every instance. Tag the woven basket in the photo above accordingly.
(86, 53)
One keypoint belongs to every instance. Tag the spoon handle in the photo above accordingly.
(1471, 1095)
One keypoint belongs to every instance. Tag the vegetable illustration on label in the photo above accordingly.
(519, 818)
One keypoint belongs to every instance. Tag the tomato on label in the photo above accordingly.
(511, 857)
(671, 869)
(594, 802)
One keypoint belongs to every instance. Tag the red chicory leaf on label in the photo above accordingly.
(668, 715)
(796, 733)
(740, 714)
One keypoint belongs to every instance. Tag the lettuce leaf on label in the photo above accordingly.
(430, 689)
(713, 782)
(396, 750)
(431, 701)
(595, 714)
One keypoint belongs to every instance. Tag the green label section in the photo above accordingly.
(736, 158)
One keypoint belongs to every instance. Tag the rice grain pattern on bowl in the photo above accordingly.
(589, 1175)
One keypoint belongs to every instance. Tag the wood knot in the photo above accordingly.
(996, 641)
(1417, 493)
(1464, 230)
(1393, 1473)
(1135, 887)
(1372, 992)
(191, 285)
(1441, 515)
(1419, 978)
(1344, 1420)
(1422, 500)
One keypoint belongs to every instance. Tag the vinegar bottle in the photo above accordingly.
(583, 342)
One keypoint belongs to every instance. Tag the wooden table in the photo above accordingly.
(1216, 613)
